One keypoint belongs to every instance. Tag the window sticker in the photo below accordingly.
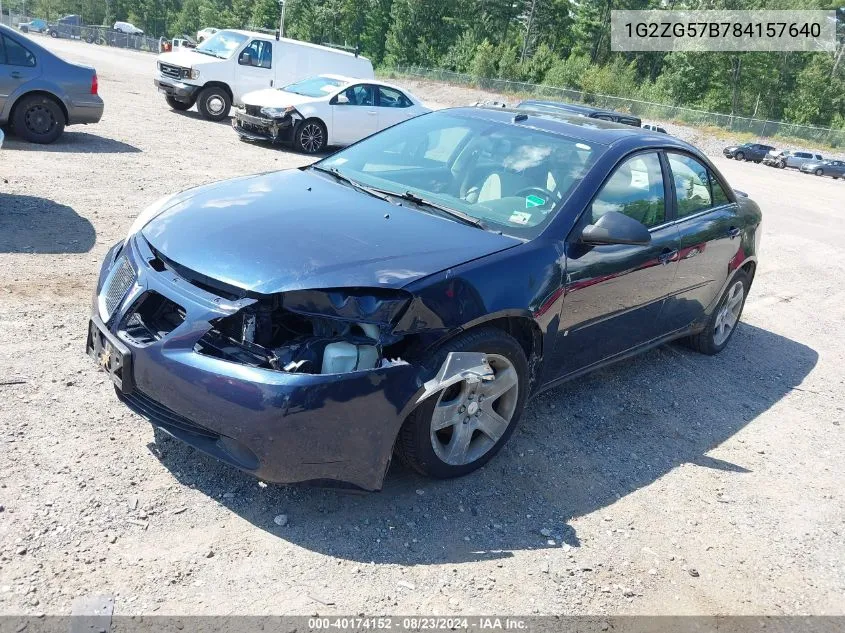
(520, 217)
(533, 201)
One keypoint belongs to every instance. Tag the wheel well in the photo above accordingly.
(749, 268)
(220, 84)
(43, 93)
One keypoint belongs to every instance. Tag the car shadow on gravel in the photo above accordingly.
(73, 143)
(29, 224)
(579, 449)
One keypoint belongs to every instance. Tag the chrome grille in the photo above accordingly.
(117, 286)
(168, 70)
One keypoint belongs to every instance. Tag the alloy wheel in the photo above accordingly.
(729, 313)
(469, 418)
(39, 120)
(311, 137)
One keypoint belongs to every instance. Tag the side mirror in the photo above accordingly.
(245, 59)
(616, 228)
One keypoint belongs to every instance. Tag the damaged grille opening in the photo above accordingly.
(152, 318)
(268, 336)
(161, 263)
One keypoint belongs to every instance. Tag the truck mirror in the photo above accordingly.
(245, 59)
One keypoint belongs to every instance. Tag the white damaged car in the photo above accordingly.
(314, 113)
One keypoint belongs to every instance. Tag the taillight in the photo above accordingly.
(94, 84)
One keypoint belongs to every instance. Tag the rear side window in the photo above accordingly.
(390, 98)
(14, 54)
(635, 189)
(692, 184)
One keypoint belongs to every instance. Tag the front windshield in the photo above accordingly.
(512, 178)
(315, 86)
(222, 44)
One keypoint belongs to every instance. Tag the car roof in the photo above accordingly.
(272, 38)
(596, 131)
(351, 80)
(575, 107)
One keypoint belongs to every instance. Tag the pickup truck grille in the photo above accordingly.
(168, 70)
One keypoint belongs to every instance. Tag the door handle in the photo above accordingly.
(15, 74)
(667, 255)
(372, 112)
(733, 232)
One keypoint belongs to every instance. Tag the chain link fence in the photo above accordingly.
(646, 110)
(102, 35)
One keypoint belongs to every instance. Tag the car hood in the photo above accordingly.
(299, 229)
(275, 98)
(186, 58)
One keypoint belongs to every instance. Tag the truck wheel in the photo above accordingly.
(214, 103)
(54, 34)
(38, 119)
(181, 106)
(310, 136)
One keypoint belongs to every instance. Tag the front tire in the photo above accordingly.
(739, 156)
(54, 34)
(181, 106)
(214, 103)
(724, 320)
(38, 119)
(819, 172)
(461, 428)
(310, 137)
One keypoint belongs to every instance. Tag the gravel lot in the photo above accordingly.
(671, 483)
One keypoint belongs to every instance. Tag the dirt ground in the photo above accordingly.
(671, 483)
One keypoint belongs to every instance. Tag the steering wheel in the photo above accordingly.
(544, 194)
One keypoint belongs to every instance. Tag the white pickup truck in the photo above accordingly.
(231, 63)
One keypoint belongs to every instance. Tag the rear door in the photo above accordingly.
(354, 114)
(18, 65)
(709, 231)
(257, 72)
(393, 107)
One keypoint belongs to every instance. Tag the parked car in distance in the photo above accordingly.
(314, 113)
(41, 93)
(582, 110)
(231, 63)
(654, 128)
(796, 160)
(35, 26)
(748, 151)
(411, 292)
(828, 167)
(69, 26)
(128, 28)
(205, 33)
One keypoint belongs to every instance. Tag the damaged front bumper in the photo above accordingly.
(277, 425)
(257, 127)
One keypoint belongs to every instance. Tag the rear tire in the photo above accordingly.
(214, 103)
(724, 320)
(310, 137)
(181, 106)
(425, 443)
(38, 119)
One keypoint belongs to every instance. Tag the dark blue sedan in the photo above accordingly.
(409, 294)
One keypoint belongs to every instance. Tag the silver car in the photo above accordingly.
(41, 93)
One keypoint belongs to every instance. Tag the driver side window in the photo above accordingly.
(635, 189)
(261, 53)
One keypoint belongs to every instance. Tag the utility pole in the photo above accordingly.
(529, 31)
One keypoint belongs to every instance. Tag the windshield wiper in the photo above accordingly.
(206, 52)
(334, 171)
(410, 196)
